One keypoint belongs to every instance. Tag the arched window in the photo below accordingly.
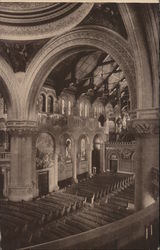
(63, 106)
(83, 149)
(50, 104)
(69, 107)
(42, 103)
(81, 109)
(86, 110)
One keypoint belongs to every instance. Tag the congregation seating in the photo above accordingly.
(65, 183)
(100, 185)
(76, 209)
(90, 217)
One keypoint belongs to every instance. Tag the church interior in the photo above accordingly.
(79, 126)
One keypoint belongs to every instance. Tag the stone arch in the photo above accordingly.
(98, 135)
(113, 152)
(8, 84)
(109, 155)
(58, 49)
(84, 135)
(147, 93)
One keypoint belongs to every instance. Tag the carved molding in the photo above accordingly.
(55, 19)
(22, 128)
(122, 153)
(127, 154)
(145, 127)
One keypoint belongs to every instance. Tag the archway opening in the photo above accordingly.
(113, 163)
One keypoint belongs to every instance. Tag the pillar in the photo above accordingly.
(147, 154)
(102, 157)
(90, 150)
(23, 172)
(56, 170)
(75, 161)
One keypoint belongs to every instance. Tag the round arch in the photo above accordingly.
(84, 135)
(113, 156)
(98, 136)
(58, 49)
(8, 85)
(113, 152)
(147, 93)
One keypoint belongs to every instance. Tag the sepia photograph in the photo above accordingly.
(79, 125)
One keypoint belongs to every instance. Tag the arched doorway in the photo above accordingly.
(45, 148)
(113, 163)
(1, 183)
(97, 155)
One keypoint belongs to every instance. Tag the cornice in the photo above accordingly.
(22, 128)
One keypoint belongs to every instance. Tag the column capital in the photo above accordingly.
(22, 128)
(145, 127)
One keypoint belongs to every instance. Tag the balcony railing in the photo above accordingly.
(71, 121)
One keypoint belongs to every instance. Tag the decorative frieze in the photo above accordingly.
(47, 21)
(144, 127)
(22, 128)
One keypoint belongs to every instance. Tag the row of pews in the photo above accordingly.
(81, 207)
(99, 186)
(90, 217)
(20, 220)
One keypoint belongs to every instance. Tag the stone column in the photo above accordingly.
(147, 154)
(23, 171)
(102, 157)
(90, 149)
(75, 161)
(56, 169)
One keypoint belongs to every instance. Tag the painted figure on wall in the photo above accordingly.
(83, 149)
(68, 150)
(45, 151)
